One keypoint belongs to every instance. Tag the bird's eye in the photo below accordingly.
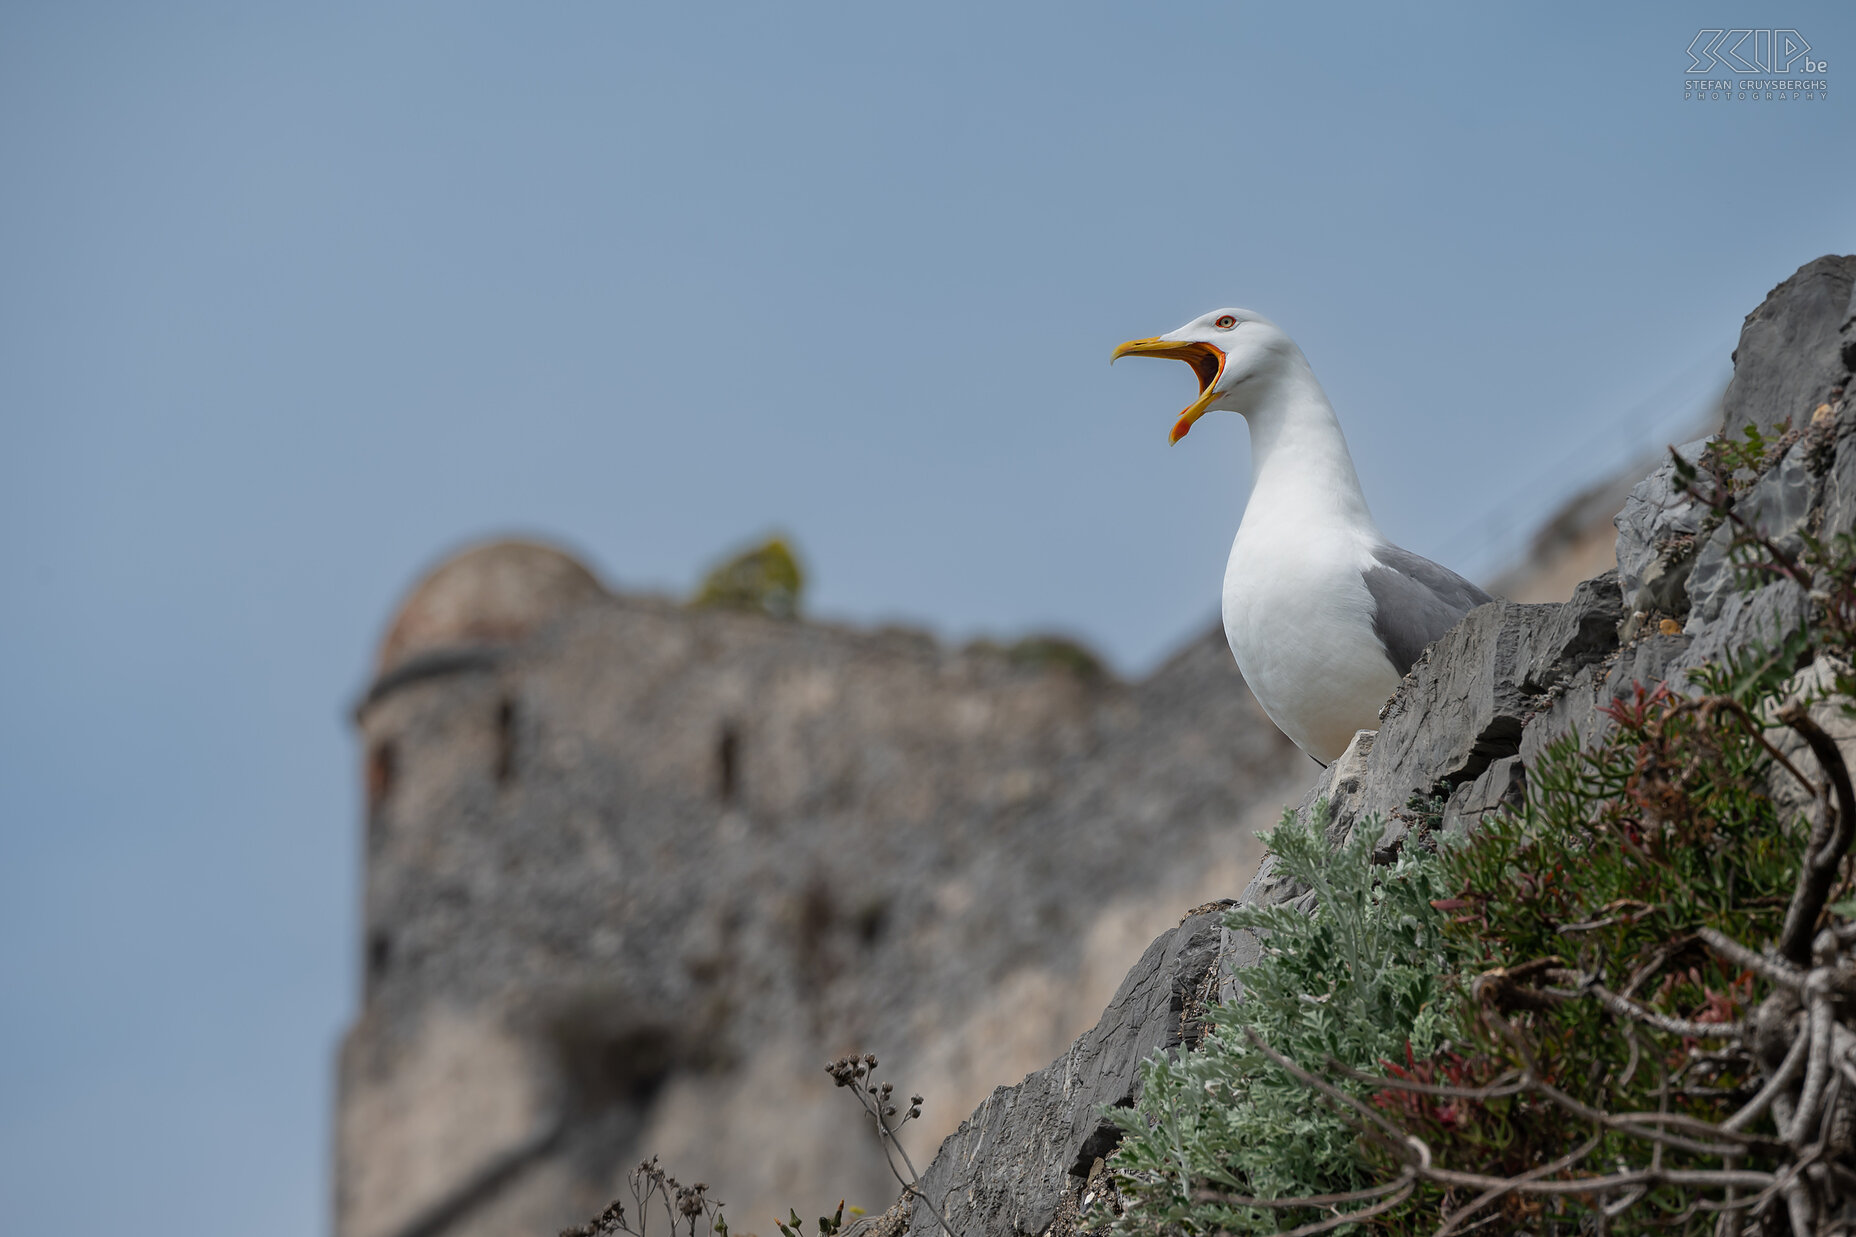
(1225, 322)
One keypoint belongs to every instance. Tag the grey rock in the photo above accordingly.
(1840, 496)
(1463, 706)
(1571, 712)
(1790, 795)
(1790, 353)
(1766, 614)
(1009, 1165)
(1340, 784)
(1778, 505)
(1712, 577)
(1580, 633)
(1575, 710)
(1649, 661)
(1502, 784)
(1343, 777)
(1848, 331)
(1656, 529)
(1272, 887)
(1336, 796)
(1237, 949)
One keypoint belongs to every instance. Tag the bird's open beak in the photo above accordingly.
(1207, 361)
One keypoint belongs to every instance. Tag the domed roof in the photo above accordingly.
(491, 593)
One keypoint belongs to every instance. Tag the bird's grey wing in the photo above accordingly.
(1415, 601)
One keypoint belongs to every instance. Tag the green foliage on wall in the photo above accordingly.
(766, 579)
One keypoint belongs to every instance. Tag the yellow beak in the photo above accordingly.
(1207, 361)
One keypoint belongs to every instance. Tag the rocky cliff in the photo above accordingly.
(1467, 724)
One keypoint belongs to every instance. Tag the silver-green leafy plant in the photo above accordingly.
(1357, 981)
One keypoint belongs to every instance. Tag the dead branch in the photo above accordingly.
(1786, 1075)
(1507, 1084)
(1830, 839)
(1624, 1007)
(1454, 1224)
(1353, 1217)
(1424, 1169)
(1399, 1190)
(1777, 970)
(1632, 1124)
(1311, 1200)
(1818, 1074)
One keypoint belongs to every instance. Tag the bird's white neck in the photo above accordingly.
(1301, 472)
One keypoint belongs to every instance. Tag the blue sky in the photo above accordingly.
(295, 298)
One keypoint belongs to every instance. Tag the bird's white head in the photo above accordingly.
(1226, 348)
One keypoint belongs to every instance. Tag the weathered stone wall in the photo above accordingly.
(1468, 722)
(635, 872)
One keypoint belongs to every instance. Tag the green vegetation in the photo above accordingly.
(1565, 1023)
(766, 579)
(1356, 980)
(1045, 651)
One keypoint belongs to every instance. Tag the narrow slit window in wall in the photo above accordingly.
(728, 764)
(505, 742)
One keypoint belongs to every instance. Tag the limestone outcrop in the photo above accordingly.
(1469, 721)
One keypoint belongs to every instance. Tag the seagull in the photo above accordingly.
(1323, 614)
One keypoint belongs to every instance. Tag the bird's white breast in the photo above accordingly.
(1300, 622)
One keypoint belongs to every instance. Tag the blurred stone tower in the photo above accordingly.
(634, 872)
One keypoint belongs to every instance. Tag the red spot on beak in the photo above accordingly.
(1180, 429)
